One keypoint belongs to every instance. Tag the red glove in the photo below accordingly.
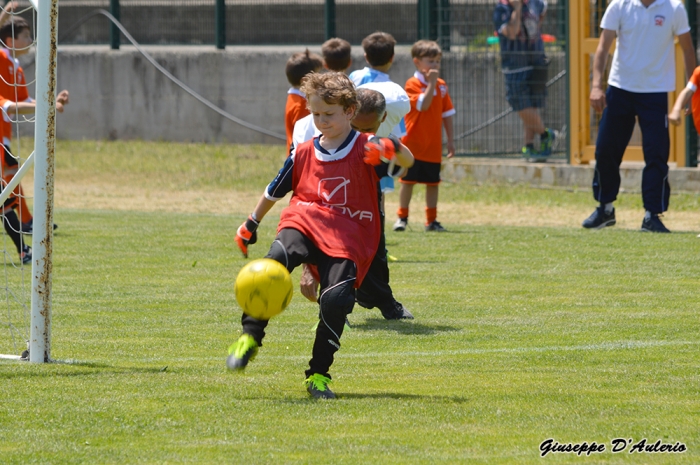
(380, 149)
(246, 235)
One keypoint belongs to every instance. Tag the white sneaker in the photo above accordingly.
(401, 224)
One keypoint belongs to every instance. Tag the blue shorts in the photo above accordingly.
(518, 92)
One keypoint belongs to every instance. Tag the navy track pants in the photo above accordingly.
(614, 133)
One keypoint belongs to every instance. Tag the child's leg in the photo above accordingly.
(431, 201)
(24, 213)
(532, 123)
(11, 224)
(405, 194)
(291, 248)
(336, 300)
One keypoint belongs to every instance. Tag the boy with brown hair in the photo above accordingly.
(336, 54)
(431, 109)
(332, 220)
(379, 54)
(299, 65)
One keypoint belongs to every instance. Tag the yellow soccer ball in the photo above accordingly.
(263, 288)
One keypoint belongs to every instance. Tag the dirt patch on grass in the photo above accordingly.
(107, 195)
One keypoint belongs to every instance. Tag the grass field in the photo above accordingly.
(527, 328)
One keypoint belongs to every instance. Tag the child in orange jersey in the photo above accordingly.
(16, 38)
(688, 94)
(299, 65)
(431, 109)
(10, 221)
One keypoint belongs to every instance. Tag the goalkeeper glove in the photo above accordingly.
(381, 149)
(246, 235)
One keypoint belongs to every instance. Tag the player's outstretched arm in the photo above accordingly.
(308, 284)
(7, 10)
(246, 233)
(62, 100)
(22, 108)
(387, 150)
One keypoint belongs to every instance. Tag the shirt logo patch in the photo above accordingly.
(443, 91)
(659, 20)
(333, 191)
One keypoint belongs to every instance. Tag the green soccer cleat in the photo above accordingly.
(317, 387)
(241, 352)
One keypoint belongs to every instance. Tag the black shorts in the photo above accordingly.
(423, 172)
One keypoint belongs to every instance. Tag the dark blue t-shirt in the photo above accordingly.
(527, 48)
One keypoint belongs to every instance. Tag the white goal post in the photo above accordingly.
(43, 158)
(44, 155)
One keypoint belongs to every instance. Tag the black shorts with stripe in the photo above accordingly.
(423, 172)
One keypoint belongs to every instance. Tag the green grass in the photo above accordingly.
(521, 334)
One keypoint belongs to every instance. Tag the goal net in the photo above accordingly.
(28, 238)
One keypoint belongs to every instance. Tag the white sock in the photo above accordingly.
(647, 215)
(608, 207)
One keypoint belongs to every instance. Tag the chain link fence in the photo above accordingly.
(484, 124)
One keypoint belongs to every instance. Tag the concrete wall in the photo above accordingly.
(120, 95)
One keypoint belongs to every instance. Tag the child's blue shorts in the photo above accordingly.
(518, 93)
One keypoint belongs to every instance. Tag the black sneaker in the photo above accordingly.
(26, 255)
(435, 226)
(654, 224)
(599, 219)
(395, 311)
(317, 387)
(28, 227)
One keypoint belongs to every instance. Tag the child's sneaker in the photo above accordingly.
(401, 224)
(241, 352)
(26, 255)
(317, 387)
(547, 142)
(528, 153)
(435, 226)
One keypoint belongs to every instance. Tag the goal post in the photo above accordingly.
(44, 156)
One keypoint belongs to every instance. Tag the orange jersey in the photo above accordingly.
(695, 101)
(293, 112)
(12, 87)
(424, 128)
(8, 164)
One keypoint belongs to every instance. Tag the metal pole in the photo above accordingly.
(691, 134)
(424, 19)
(44, 143)
(114, 30)
(221, 24)
(329, 19)
(567, 82)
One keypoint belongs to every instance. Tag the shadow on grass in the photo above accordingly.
(402, 396)
(401, 326)
(377, 395)
(82, 369)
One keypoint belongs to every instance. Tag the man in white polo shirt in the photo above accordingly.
(642, 74)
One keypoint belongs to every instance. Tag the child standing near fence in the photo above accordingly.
(431, 110)
(299, 65)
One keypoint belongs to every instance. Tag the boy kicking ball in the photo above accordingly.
(332, 220)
